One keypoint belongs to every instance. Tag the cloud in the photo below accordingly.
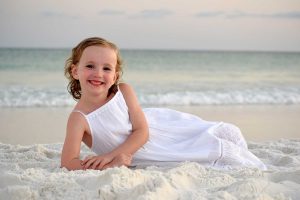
(294, 14)
(210, 14)
(111, 12)
(51, 14)
(56, 14)
(241, 14)
(154, 14)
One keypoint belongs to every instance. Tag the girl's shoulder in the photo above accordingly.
(78, 121)
(124, 87)
(128, 94)
(126, 90)
(77, 115)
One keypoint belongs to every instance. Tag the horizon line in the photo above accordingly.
(167, 49)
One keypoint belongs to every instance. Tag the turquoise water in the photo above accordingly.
(34, 77)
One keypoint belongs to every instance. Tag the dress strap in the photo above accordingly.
(78, 111)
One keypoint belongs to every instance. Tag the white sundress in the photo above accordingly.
(173, 137)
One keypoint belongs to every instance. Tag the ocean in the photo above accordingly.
(35, 77)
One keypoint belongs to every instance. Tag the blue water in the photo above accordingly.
(34, 77)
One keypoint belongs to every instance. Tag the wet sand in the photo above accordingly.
(258, 123)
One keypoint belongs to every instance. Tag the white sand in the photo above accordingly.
(32, 172)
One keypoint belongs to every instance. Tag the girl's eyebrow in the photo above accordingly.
(104, 64)
(88, 63)
(108, 64)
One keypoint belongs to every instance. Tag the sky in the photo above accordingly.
(268, 25)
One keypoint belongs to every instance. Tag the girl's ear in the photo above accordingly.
(74, 71)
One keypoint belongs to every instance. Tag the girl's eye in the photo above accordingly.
(107, 68)
(90, 66)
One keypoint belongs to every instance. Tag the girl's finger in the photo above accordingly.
(96, 163)
(89, 163)
(103, 163)
(87, 159)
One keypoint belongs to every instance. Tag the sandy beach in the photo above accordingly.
(33, 172)
(31, 141)
(258, 92)
(237, 62)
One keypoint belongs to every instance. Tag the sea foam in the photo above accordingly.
(24, 96)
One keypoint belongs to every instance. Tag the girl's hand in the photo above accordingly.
(96, 162)
(120, 160)
(102, 162)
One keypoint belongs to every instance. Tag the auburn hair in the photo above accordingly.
(74, 86)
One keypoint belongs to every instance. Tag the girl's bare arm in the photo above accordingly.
(71, 149)
(139, 135)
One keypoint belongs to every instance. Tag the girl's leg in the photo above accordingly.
(234, 150)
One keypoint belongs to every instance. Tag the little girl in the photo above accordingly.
(110, 121)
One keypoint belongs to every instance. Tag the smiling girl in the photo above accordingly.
(110, 121)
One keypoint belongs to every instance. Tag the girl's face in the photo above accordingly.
(96, 70)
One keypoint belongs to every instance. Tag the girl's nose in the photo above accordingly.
(98, 72)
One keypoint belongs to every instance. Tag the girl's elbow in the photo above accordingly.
(67, 164)
(64, 164)
(68, 167)
(146, 135)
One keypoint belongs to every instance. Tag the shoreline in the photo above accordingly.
(41, 125)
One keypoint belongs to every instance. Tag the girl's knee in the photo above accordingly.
(233, 134)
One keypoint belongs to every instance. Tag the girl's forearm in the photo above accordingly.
(133, 143)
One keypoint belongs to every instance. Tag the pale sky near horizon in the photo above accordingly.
(269, 25)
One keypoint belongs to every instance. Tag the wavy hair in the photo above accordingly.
(74, 87)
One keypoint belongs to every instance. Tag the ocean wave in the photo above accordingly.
(225, 97)
(18, 96)
(21, 96)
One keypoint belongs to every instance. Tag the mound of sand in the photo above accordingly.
(33, 172)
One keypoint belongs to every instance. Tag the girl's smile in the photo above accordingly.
(96, 82)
